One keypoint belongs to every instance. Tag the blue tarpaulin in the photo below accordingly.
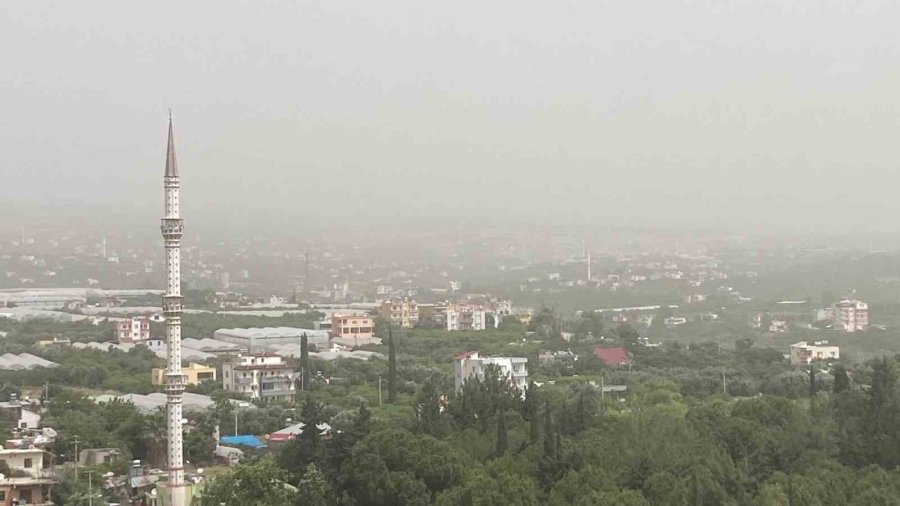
(246, 440)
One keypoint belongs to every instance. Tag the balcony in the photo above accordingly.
(281, 392)
(172, 228)
(276, 380)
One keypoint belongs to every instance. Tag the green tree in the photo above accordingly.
(259, 484)
(841, 380)
(481, 489)
(304, 361)
(313, 489)
(502, 442)
(306, 447)
(428, 405)
(392, 367)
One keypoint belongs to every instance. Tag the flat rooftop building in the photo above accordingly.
(803, 353)
(257, 340)
(470, 365)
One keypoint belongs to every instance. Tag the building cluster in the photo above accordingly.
(26, 456)
(458, 316)
(850, 315)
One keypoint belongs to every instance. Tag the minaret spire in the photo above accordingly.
(171, 163)
(172, 229)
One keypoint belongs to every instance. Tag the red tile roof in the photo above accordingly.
(612, 356)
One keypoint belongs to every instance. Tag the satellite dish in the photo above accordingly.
(200, 470)
(153, 492)
(109, 474)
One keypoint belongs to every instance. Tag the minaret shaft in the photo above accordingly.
(172, 229)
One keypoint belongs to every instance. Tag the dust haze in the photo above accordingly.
(676, 113)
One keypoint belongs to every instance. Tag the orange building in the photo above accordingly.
(352, 326)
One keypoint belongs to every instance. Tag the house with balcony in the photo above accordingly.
(135, 330)
(29, 478)
(471, 365)
(260, 376)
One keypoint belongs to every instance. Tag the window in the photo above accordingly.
(28, 463)
(2, 495)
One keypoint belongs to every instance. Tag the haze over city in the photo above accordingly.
(411, 253)
(764, 114)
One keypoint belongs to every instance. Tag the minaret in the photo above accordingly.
(172, 228)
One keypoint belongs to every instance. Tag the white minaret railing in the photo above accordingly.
(172, 229)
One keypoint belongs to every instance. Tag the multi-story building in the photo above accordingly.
(360, 326)
(259, 376)
(194, 374)
(30, 477)
(470, 365)
(803, 353)
(400, 312)
(133, 331)
(465, 318)
(851, 315)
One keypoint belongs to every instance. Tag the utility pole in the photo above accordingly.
(90, 489)
(724, 385)
(379, 390)
(235, 420)
(76, 442)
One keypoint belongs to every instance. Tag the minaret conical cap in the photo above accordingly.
(171, 165)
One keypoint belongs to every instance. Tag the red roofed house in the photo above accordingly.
(612, 356)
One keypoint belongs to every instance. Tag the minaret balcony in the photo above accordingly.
(172, 305)
(172, 228)
(175, 383)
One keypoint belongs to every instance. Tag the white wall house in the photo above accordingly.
(259, 376)
(471, 365)
(803, 353)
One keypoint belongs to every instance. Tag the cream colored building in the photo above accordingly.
(194, 374)
(803, 353)
(402, 313)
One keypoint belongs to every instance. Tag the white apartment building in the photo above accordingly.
(465, 318)
(851, 315)
(803, 353)
(470, 365)
(259, 376)
(133, 331)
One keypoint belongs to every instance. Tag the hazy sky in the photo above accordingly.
(679, 112)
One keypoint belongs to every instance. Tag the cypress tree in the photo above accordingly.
(812, 381)
(304, 361)
(501, 431)
(549, 444)
(530, 412)
(841, 380)
(392, 367)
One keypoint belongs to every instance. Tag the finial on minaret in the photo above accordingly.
(171, 165)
